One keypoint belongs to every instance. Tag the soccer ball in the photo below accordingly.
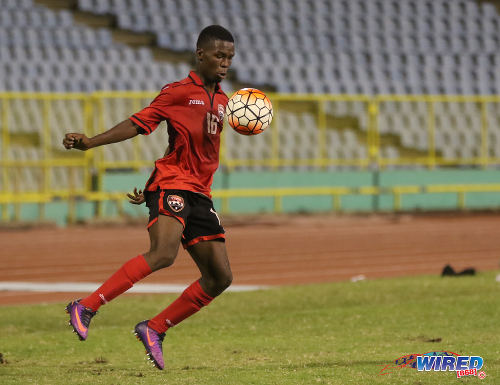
(249, 111)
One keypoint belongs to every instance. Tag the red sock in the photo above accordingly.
(132, 271)
(190, 301)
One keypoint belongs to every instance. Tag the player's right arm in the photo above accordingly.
(122, 131)
(143, 122)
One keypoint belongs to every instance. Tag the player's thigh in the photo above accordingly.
(165, 237)
(212, 260)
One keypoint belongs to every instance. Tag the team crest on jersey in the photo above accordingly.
(221, 110)
(175, 202)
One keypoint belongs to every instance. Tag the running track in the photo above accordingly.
(273, 250)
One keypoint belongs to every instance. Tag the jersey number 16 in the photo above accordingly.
(212, 122)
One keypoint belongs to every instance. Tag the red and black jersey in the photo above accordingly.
(194, 119)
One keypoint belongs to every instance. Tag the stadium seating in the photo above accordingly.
(354, 46)
(321, 46)
(341, 46)
(44, 50)
(375, 46)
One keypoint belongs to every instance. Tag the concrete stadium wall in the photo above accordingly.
(356, 203)
(58, 211)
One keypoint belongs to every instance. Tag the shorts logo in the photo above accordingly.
(221, 110)
(175, 202)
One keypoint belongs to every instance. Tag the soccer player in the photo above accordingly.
(177, 193)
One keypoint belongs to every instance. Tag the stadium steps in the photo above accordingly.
(496, 3)
(343, 123)
(28, 140)
(133, 39)
(25, 139)
(351, 123)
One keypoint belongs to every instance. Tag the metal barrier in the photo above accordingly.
(336, 193)
(39, 121)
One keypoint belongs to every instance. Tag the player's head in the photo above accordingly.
(214, 52)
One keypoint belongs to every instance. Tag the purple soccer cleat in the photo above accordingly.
(152, 341)
(80, 317)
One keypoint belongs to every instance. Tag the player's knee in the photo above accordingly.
(166, 260)
(159, 259)
(216, 284)
(227, 280)
(222, 281)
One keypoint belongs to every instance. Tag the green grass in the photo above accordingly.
(338, 333)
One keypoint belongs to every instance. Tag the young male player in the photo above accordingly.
(177, 193)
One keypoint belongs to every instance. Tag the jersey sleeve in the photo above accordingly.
(151, 116)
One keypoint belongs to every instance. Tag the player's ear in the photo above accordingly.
(199, 54)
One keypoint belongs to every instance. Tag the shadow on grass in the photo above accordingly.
(277, 365)
(331, 364)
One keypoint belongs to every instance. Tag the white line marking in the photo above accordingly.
(72, 287)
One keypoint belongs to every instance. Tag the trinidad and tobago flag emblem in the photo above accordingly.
(175, 202)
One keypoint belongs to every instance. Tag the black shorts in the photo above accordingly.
(195, 211)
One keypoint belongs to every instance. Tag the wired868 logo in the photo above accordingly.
(462, 365)
(439, 361)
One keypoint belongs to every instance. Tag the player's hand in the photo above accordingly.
(137, 198)
(77, 141)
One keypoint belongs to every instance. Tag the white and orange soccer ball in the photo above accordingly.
(249, 111)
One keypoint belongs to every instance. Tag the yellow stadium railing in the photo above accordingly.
(336, 193)
(39, 120)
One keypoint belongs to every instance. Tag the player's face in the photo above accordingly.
(215, 59)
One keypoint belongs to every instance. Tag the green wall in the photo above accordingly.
(268, 179)
(126, 181)
(438, 177)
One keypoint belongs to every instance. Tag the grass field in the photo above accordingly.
(338, 333)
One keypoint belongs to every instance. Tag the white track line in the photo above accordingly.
(72, 287)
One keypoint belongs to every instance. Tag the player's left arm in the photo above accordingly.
(122, 131)
(137, 198)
